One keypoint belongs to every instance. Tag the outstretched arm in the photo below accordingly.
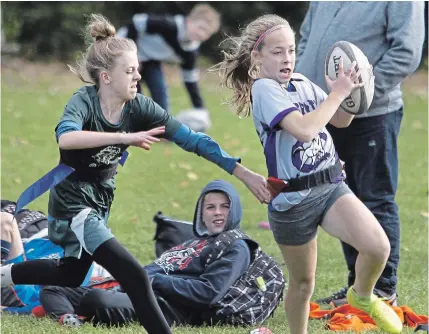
(70, 134)
(203, 145)
(79, 139)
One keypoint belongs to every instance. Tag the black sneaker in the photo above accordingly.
(336, 296)
(339, 298)
(390, 299)
(71, 320)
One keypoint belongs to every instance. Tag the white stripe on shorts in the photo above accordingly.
(77, 226)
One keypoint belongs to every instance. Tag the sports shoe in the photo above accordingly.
(197, 119)
(383, 315)
(339, 298)
(6, 275)
(389, 299)
(71, 320)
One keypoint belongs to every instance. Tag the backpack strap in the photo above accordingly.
(422, 327)
(8, 206)
(225, 239)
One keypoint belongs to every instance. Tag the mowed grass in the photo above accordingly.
(169, 179)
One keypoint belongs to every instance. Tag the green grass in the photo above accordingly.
(169, 179)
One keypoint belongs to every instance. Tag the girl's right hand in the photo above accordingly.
(346, 82)
(143, 139)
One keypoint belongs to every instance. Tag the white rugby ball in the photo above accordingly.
(361, 98)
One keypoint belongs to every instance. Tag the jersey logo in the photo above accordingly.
(107, 156)
(306, 157)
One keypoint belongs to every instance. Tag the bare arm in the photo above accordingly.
(341, 119)
(87, 139)
(305, 127)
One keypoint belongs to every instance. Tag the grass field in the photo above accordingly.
(169, 179)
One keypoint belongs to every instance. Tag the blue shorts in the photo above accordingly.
(87, 230)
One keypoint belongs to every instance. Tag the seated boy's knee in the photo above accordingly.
(7, 222)
(47, 292)
(72, 272)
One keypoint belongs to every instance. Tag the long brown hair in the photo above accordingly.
(237, 71)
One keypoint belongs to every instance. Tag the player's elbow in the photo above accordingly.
(340, 124)
(306, 135)
(65, 142)
(345, 124)
(62, 143)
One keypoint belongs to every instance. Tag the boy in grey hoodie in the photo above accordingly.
(184, 284)
(391, 35)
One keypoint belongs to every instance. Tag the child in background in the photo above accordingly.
(174, 39)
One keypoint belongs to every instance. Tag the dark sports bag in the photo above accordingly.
(170, 232)
(29, 222)
(257, 293)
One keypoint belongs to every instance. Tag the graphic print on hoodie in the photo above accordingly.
(181, 275)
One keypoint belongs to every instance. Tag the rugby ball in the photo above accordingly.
(361, 98)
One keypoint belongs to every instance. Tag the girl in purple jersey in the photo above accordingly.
(290, 115)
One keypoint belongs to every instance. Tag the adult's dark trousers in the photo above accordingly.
(153, 76)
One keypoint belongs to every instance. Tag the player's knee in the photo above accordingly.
(378, 250)
(304, 286)
(7, 223)
(382, 252)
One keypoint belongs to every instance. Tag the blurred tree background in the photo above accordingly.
(53, 30)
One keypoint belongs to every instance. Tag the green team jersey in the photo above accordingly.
(83, 112)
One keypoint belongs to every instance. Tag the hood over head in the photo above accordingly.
(235, 213)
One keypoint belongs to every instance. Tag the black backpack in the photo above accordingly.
(256, 293)
(170, 232)
(29, 222)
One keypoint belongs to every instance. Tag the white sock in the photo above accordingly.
(6, 275)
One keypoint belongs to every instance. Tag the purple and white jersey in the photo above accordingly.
(286, 156)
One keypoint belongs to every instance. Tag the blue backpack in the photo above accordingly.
(23, 298)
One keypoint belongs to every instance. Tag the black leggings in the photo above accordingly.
(117, 261)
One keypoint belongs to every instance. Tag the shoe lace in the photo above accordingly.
(340, 293)
(335, 296)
